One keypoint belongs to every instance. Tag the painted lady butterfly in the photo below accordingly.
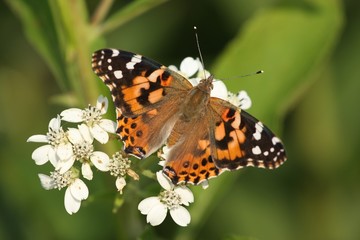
(205, 135)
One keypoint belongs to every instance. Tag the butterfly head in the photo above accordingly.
(206, 84)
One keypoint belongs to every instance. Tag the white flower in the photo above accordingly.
(188, 67)
(163, 154)
(83, 151)
(119, 166)
(58, 147)
(120, 183)
(76, 189)
(193, 70)
(241, 100)
(172, 199)
(91, 116)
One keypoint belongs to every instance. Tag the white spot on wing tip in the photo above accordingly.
(115, 52)
(259, 127)
(134, 60)
(110, 68)
(275, 140)
(118, 74)
(257, 135)
(256, 150)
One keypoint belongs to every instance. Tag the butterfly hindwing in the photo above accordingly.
(240, 140)
(189, 158)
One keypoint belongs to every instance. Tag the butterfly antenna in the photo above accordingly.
(198, 46)
(246, 75)
(254, 73)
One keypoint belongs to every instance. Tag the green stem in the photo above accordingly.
(74, 30)
(101, 12)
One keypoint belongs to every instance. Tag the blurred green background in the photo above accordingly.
(309, 95)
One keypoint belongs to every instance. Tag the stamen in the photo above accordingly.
(91, 115)
(171, 198)
(119, 165)
(61, 180)
(83, 150)
(55, 137)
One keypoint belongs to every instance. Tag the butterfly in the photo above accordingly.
(205, 135)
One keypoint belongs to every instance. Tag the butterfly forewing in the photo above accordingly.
(137, 84)
(146, 95)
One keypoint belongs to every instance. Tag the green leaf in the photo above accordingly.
(127, 13)
(290, 44)
(39, 29)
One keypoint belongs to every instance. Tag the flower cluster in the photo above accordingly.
(171, 198)
(72, 154)
(119, 166)
(75, 145)
(193, 70)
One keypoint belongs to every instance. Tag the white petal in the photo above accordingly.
(73, 115)
(163, 154)
(85, 133)
(102, 104)
(189, 66)
(64, 166)
(194, 81)
(55, 123)
(75, 136)
(46, 181)
(120, 183)
(38, 138)
(41, 154)
(186, 195)
(86, 171)
(157, 214)
(203, 74)
(162, 163)
(219, 90)
(174, 68)
(53, 158)
(79, 190)
(245, 100)
(147, 204)
(100, 160)
(181, 216)
(164, 182)
(205, 184)
(72, 205)
(99, 134)
(108, 125)
(64, 151)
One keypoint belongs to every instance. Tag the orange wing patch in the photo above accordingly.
(137, 84)
(145, 133)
